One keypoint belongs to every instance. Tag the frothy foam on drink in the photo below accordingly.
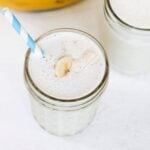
(133, 12)
(85, 72)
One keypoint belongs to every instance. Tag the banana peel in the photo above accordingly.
(36, 5)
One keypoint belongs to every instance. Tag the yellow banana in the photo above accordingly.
(35, 5)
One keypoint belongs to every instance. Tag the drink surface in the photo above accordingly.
(133, 12)
(86, 69)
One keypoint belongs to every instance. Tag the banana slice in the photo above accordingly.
(63, 66)
(90, 57)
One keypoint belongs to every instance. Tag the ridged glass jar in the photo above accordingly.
(59, 116)
(127, 46)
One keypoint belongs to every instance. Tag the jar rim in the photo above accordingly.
(120, 21)
(100, 86)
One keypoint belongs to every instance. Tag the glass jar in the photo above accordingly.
(60, 116)
(128, 47)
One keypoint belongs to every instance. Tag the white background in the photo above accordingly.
(123, 118)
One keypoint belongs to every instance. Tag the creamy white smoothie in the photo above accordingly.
(86, 71)
(66, 85)
(126, 35)
(133, 12)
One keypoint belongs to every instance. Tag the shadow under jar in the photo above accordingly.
(59, 106)
(127, 35)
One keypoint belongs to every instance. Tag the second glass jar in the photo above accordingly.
(128, 47)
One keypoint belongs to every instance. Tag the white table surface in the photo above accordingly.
(123, 118)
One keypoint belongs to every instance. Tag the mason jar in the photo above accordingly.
(60, 116)
(127, 46)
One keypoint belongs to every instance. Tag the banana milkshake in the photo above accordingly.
(66, 85)
(127, 34)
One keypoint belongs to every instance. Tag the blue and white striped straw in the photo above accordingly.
(22, 32)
